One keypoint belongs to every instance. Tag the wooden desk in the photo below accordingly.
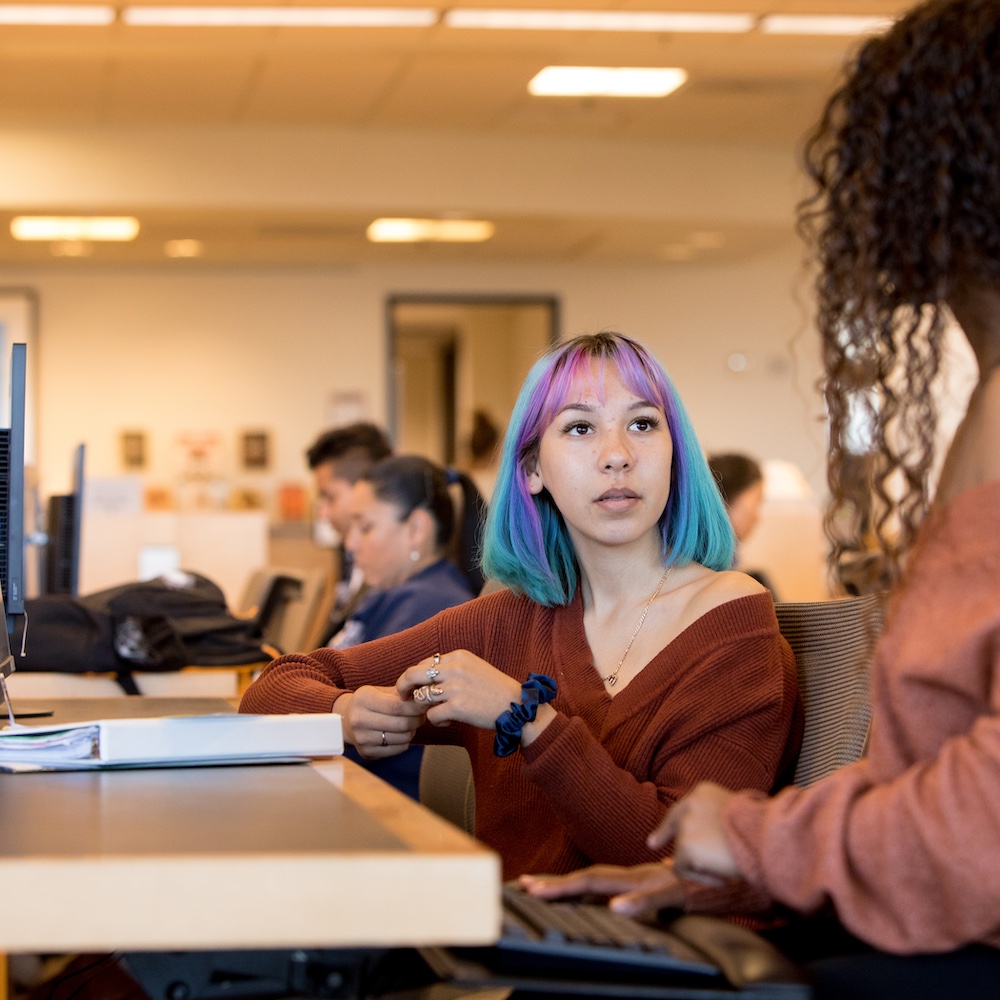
(320, 855)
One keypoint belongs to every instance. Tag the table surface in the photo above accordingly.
(308, 855)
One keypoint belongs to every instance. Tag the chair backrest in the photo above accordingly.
(446, 785)
(283, 602)
(833, 642)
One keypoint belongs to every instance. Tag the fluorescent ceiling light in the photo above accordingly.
(596, 20)
(48, 227)
(816, 24)
(52, 14)
(605, 81)
(284, 17)
(429, 231)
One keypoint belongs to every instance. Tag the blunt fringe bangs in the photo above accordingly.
(526, 546)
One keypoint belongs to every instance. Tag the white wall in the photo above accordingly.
(228, 350)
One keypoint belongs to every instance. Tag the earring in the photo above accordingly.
(414, 555)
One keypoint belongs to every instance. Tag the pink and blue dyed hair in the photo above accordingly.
(526, 545)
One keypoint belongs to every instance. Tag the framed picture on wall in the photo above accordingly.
(133, 450)
(256, 450)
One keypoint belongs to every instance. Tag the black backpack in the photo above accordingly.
(157, 625)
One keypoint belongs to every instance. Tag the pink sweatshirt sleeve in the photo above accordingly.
(911, 865)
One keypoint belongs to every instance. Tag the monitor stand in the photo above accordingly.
(6, 669)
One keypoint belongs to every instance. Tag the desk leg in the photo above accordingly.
(4, 974)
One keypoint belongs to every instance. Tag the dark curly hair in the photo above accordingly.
(906, 163)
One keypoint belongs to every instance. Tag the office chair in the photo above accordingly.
(446, 786)
(285, 602)
(833, 642)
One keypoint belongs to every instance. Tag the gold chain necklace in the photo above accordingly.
(612, 678)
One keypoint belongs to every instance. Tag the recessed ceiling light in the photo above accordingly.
(56, 14)
(429, 231)
(288, 17)
(51, 227)
(821, 24)
(605, 81)
(183, 248)
(597, 20)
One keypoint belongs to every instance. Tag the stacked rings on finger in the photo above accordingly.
(428, 692)
(432, 670)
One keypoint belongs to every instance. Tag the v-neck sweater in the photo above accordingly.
(904, 844)
(719, 703)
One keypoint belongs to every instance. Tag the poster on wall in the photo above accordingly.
(133, 450)
(255, 450)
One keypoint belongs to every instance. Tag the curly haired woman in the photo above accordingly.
(901, 847)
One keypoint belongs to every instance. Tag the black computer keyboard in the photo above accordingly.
(580, 948)
(580, 934)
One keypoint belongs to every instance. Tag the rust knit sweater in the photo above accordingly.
(720, 702)
(906, 843)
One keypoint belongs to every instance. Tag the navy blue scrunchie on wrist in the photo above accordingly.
(537, 690)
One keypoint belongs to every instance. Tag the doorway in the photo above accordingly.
(456, 364)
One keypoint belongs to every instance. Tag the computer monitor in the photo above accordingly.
(12, 493)
(65, 525)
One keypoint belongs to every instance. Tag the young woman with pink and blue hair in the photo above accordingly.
(615, 662)
(526, 544)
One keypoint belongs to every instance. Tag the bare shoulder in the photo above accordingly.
(729, 585)
(712, 588)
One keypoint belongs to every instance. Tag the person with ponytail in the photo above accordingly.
(410, 546)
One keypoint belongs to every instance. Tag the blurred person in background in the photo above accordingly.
(401, 535)
(338, 458)
(741, 482)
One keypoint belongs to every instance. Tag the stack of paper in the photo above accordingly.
(190, 739)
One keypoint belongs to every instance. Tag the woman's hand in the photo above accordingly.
(459, 687)
(694, 824)
(377, 721)
(640, 890)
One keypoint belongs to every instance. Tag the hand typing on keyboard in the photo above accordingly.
(588, 932)
(578, 947)
(639, 890)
